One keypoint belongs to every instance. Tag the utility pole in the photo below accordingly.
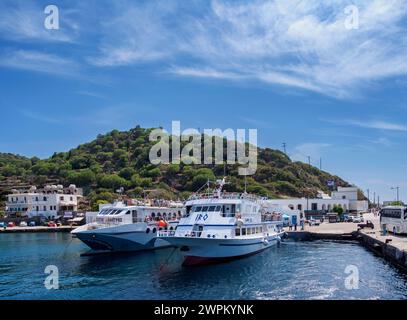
(398, 192)
(374, 199)
(285, 148)
(309, 160)
(368, 196)
(320, 163)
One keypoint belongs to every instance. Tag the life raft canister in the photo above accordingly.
(162, 224)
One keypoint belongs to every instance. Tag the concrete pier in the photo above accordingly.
(37, 229)
(391, 247)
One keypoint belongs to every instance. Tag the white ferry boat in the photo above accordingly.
(222, 226)
(120, 227)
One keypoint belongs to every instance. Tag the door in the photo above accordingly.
(197, 230)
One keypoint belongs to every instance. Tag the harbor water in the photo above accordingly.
(292, 270)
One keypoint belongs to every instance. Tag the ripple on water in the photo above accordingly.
(293, 270)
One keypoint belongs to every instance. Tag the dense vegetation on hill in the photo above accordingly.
(121, 159)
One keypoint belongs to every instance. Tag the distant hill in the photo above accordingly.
(121, 159)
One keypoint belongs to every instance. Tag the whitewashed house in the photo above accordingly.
(50, 202)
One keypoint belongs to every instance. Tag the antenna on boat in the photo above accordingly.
(220, 184)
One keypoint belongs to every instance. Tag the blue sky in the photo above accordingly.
(290, 69)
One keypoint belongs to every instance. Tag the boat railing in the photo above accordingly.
(226, 195)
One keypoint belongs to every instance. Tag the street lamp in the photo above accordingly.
(398, 191)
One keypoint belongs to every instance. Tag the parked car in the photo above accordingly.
(349, 219)
(313, 222)
(11, 225)
(357, 220)
(3, 224)
(368, 224)
(31, 224)
(51, 224)
(23, 224)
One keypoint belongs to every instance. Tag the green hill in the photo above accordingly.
(121, 159)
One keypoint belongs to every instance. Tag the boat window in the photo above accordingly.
(198, 209)
(253, 230)
(249, 231)
(238, 208)
(243, 231)
(218, 208)
(205, 209)
(254, 209)
(212, 208)
(237, 232)
(128, 212)
(233, 208)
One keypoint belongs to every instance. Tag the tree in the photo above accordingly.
(82, 178)
(127, 173)
(112, 181)
(338, 209)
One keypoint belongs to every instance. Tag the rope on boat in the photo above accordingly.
(168, 259)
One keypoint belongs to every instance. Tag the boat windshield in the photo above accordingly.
(215, 208)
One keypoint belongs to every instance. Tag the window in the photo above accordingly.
(205, 209)
(45, 198)
(314, 206)
(198, 209)
(218, 208)
(62, 198)
(237, 232)
(134, 215)
(243, 231)
(211, 208)
(249, 231)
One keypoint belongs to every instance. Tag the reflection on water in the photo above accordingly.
(293, 270)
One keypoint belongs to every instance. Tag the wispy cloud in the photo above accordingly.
(24, 20)
(299, 44)
(90, 94)
(39, 62)
(39, 117)
(310, 149)
(369, 124)
(382, 142)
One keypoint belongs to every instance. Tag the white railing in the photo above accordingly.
(225, 195)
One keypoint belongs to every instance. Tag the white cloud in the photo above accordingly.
(382, 142)
(299, 44)
(39, 62)
(23, 20)
(313, 150)
(369, 124)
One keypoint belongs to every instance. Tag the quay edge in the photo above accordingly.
(381, 247)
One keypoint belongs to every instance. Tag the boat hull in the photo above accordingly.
(120, 239)
(200, 251)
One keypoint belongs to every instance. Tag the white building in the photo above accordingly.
(50, 202)
(344, 197)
